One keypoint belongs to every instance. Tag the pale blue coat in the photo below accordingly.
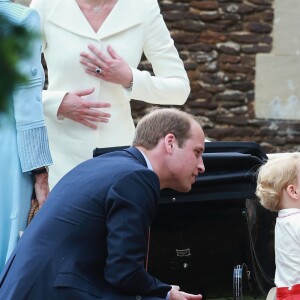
(23, 136)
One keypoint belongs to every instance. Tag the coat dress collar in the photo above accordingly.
(122, 17)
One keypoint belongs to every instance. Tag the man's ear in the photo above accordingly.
(170, 141)
(293, 191)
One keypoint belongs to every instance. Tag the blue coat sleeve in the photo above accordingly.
(32, 135)
(130, 208)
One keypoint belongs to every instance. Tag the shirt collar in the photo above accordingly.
(288, 212)
(149, 166)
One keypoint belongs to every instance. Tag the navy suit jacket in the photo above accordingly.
(89, 240)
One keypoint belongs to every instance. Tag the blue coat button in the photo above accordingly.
(34, 71)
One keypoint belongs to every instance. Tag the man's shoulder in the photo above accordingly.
(115, 162)
(130, 155)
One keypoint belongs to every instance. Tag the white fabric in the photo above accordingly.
(149, 166)
(271, 294)
(287, 247)
(133, 27)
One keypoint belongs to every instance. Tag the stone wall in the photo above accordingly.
(218, 41)
(277, 79)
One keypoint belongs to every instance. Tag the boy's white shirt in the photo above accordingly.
(287, 247)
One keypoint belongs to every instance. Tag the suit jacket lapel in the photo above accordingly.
(67, 15)
(137, 154)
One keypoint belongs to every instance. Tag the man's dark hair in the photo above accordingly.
(160, 122)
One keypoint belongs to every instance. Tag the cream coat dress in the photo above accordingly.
(132, 28)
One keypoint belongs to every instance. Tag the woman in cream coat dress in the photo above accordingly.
(126, 30)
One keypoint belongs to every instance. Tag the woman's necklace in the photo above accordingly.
(96, 9)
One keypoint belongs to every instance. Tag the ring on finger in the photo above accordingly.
(98, 70)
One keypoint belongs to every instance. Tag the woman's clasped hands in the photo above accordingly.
(111, 68)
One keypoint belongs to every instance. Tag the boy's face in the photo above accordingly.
(292, 191)
(297, 182)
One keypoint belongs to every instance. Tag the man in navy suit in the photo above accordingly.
(89, 241)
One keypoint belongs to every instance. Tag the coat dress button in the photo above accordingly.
(34, 71)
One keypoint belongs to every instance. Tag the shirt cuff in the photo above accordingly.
(168, 296)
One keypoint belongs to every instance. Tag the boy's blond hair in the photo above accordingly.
(275, 175)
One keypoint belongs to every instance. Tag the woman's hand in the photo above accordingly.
(112, 68)
(79, 110)
(41, 188)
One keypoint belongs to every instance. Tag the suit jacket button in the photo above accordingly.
(138, 297)
(34, 71)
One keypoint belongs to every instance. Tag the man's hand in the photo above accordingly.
(175, 294)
